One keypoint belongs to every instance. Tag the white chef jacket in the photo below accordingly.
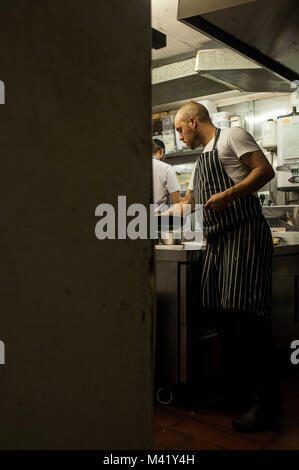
(164, 183)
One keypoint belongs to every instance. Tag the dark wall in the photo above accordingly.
(75, 311)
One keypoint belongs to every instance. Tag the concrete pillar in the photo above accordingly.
(76, 312)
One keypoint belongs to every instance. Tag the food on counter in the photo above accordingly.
(275, 240)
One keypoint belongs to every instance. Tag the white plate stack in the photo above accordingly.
(222, 119)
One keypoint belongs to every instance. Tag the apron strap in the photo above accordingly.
(217, 134)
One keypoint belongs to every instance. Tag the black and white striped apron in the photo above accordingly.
(238, 257)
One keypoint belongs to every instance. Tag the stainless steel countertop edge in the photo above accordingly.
(177, 252)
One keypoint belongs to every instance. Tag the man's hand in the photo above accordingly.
(219, 201)
(178, 209)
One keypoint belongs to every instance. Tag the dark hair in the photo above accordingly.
(159, 143)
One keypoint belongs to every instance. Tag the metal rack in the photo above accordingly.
(182, 156)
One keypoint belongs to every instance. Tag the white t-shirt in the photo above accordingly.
(164, 182)
(233, 142)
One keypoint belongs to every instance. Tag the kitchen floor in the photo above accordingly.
(186, 428)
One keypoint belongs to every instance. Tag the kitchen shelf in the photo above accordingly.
(184, 153)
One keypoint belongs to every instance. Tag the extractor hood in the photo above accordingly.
(238, 72)
(211, 72)
(264, 31)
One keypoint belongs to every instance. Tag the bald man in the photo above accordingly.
(236, 279)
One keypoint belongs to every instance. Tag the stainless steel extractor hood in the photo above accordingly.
(240, 73)
(212, 71)
(262, 30)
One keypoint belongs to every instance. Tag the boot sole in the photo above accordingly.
(258, 427)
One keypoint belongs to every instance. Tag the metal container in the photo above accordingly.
(172, 237)
(269, 134)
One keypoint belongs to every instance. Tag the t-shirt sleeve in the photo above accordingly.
(172, 183)
(191, 185)
(240, 142)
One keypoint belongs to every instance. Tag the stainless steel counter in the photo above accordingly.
(176, 269)
(177, 252)
(286, 249)
(178, 348)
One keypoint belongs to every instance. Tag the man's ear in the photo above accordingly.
(193, 122)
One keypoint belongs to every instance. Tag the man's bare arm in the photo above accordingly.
(176, 197)
(261, 172)
(189, 199)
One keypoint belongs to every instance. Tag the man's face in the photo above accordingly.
(187, 132)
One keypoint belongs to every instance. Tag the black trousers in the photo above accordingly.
(249, 356)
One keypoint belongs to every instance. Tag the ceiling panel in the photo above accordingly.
(181, 39)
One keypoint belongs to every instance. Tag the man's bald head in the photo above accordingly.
(193, 109)
(194, 124)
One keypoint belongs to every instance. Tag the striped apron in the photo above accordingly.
(238, 258)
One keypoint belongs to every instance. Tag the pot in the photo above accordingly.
(173, 237)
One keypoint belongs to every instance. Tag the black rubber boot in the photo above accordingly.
(262, 416)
